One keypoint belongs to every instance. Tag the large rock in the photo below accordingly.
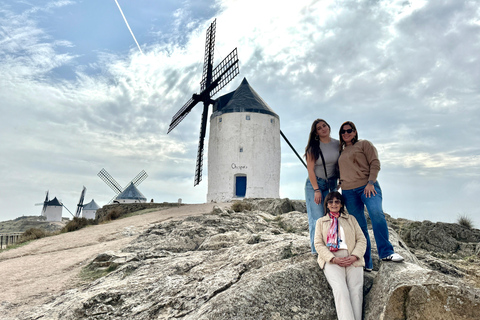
(408, 291)
(274, 206)
(216, 266)
(249, 265)
(449, 238)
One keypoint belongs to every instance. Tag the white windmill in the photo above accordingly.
(244, 144)
(129, 194)
(90, 209)
(243, 148)
(52, 209)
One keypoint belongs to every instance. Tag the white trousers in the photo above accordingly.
(347, 287)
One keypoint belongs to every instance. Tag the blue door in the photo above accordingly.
(240, 186)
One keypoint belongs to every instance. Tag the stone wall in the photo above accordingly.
(120, 209)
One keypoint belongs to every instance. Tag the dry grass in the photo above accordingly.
(91, 273)
(77, 224)
(28, 236)
(32, 234)
(465, 221)
(112, 214)
(240, 206)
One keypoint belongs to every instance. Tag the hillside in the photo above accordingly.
(210, 262)
(24, 223)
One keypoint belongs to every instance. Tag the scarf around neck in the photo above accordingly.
(332, 232)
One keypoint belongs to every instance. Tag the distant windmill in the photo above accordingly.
(52, 209)
(212, 81)
(90, 209)
(130, 191)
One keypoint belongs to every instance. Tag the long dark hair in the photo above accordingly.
(342, 142)
(331, 196)
(313, 145)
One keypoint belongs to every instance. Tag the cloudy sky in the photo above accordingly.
(77, 94)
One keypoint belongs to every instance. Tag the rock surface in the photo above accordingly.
(253, 265)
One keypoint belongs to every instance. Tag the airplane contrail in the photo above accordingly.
(125, 19)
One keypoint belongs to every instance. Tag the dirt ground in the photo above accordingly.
(31, 274)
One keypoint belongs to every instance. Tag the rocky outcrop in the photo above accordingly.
(249, 265)
(409, 291)
(443, 238)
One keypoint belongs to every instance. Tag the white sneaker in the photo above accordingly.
(395, 257)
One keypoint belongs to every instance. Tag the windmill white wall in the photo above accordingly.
(90, 209)
(244, 147)
(53, 210)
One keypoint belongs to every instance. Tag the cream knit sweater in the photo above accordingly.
(358, 164)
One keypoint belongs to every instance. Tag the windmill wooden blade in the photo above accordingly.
(225, 72)
(212, 81)
(139, 178)
(45, 203)
(80, 202)
(208, 60)
(108, 179)
(201, 141)
(182, 113)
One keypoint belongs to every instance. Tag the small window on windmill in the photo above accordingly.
(241, 149)
(272, 121)
(220, 119)
(248, 117)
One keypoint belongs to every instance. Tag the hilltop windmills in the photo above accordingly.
(52, 209)
(128, 194)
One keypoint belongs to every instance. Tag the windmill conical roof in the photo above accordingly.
(244, 99)
(131, 192)
(92, 205)
(54, 202)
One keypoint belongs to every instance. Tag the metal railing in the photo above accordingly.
(9, 238)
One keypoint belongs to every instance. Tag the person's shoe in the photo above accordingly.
(395, 257)
(367, 269)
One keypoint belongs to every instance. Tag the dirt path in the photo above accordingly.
(33, 273)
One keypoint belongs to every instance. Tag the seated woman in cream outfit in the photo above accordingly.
(340, 245)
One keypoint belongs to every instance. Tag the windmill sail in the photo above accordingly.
(108, 179)
(212, 81)
(80, 202)
(115, 186)
(45, 204)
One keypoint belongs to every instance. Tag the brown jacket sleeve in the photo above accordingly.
(372, 157)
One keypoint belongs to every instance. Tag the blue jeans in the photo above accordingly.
(355, 202)
(315, 211)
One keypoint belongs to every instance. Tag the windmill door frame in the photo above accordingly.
(240, 187)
